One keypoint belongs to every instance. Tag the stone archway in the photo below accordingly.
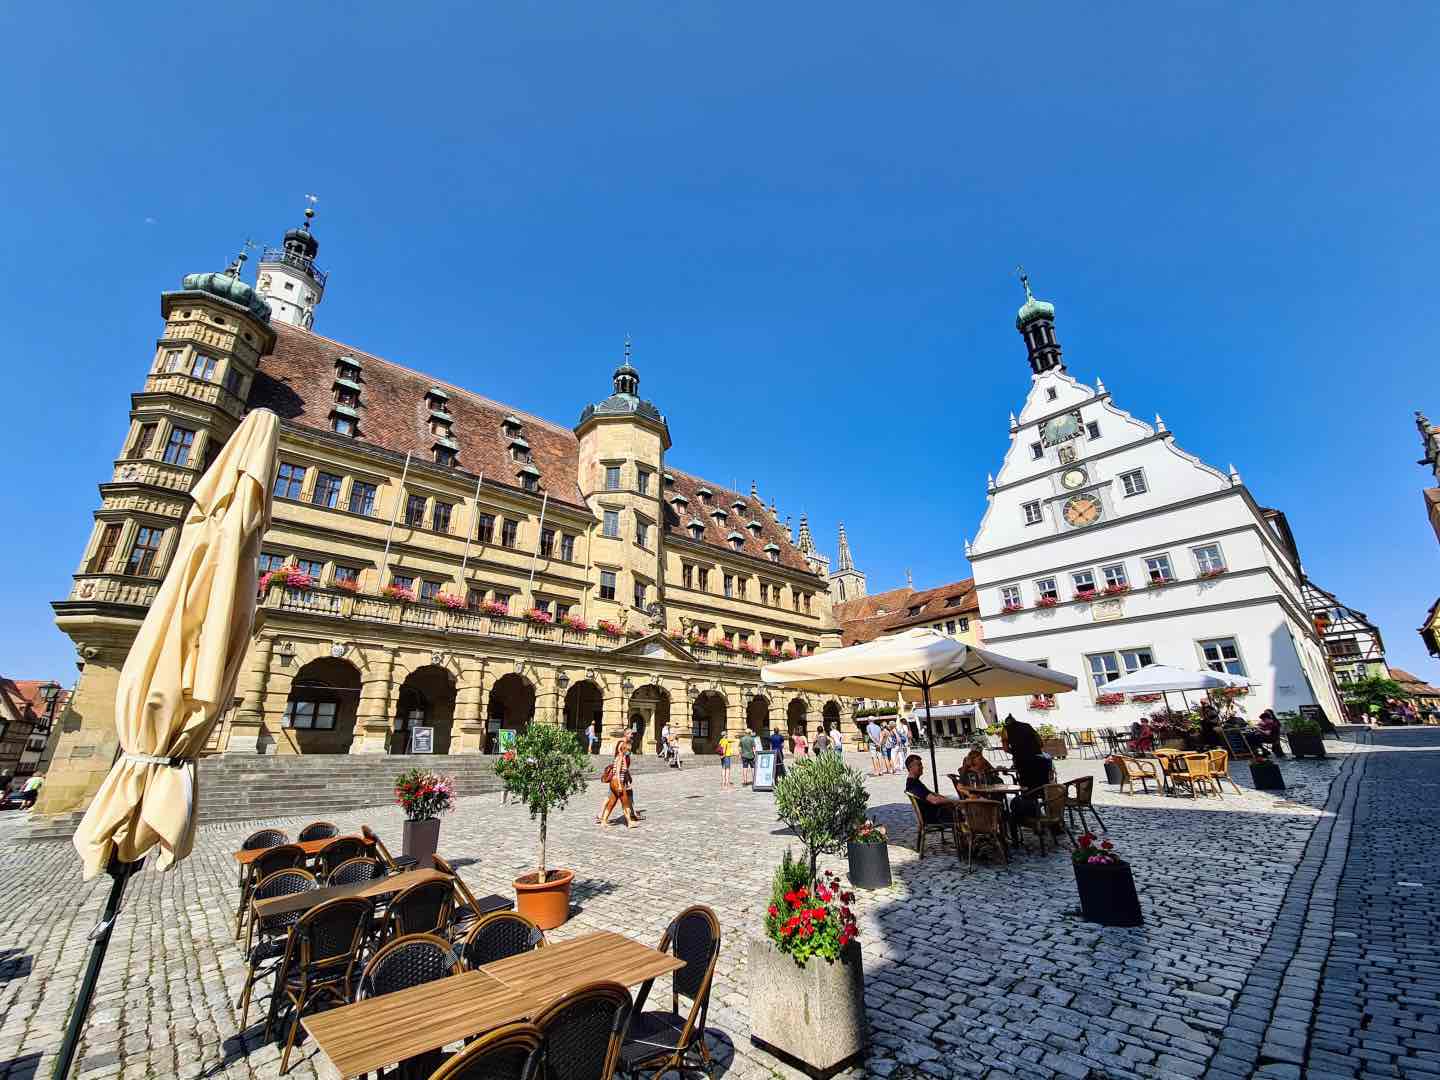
(707, 721)
(830, 715)
(796, 717)
(511, 706)
(427, 699)
(320, 711)
(649, 713)
(585, 705)
(757, 715)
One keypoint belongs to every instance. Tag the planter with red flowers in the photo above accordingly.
(1144, 699)
(1105, 883)
(289, 575)
(1109, 699)
(1116, 590)
(399, 592)
(537, 616)
(1010, 609)
(1047, 602)
(450, 601)
(869, 855)
(1207, 575)
(575, 623)
(424, 796)
(1041, 703)
(610, 629)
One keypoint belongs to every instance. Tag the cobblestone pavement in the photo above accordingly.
(967, 974)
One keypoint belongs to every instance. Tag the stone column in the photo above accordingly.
(617, 706)
(548, 708)
(249, 721)
(472, 689)
(376, 711)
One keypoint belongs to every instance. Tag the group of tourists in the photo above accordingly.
(889, 745)
(749, 745)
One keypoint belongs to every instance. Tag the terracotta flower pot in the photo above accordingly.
(547, 905)
(419, 839)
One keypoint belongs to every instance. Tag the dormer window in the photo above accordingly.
(735, 540)
(510, 427)
(772, 551)
(738, 504)
(679, 500)
(437, 400)
(696, 530)
(667, 479)
(754, 526)
(529, 478)
(704, 493)
(347, 394)
(445, 456)
(719, 514)
(347, 367)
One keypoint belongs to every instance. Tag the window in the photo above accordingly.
(327, 490)
(310, 568)
(696, 530)
(642, 534)
(704, 576)
(1037, 451)
(440, 516)
(1092, 429)
(774, 555)
(1010, 596)
(509, 532)
(342, 425)
(174, 360)
(347, 395)
(1208, 559)
(642, 481)
(429, 590)
(807, 603)
(1133, 482)
(742, 585)
(143, 440)
(202, 367)
(915, 610)
(289, 480)
(144, 550)
(687, 576)
(529, 482)
(1084, 582)
(1222, 654)
(1157, 568)
(503, 599)
(567, 547)
(177, 450)
(607, 585)
(346, 575)
(105, 550)
(562, 611)
(415, 511)
(612, 477)
(964, 624)
(445, 456)
(1104, 668)
(1135, 659)
(737, 542)
(1033, 516)
(730, 585)
(1046, 589)
(362, 498)
(1050, 393)
(547, 543)
(270, 561)
(952, 601)
(485, 528)
(311, 715)
(640, 595)
(1066, 455)
(233, 378)
(610, 523)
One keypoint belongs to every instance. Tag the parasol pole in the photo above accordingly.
(930, 730)
(120, 874)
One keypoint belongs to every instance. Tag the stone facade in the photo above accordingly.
(469, 568)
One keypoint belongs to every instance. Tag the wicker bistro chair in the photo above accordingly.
(1049, 817)
(264, 838)
(318, 830)
(341, 849)
(466, 912)
(356, 870)
(369, 834)
(1079, 802)
(411, 960)
(319, 963)
(924, 828)
(1220, 770)
(665, 1040)
(1144, 771)
(265, 945)
(498, 935)
(280, 857)
(1192, 773)
(981, 823)
(511, 1052)
(421, 909)
(584, 1030)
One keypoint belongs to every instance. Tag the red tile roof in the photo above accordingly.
(296, 380)
(1413, 683)
(869, 617)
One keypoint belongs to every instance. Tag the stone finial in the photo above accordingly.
(754, 491)
(909, 579)
(1234, 475)
(789, 531)
(990, 482)
(1160, 424)
(1014, 424)
(1099, 385)
(968, 548)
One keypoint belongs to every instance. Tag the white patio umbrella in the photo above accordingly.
(1163, 679)
(911, 665)
(178, 677)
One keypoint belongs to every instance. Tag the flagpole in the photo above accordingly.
(400, 494)
(469, 532)
(530, 585)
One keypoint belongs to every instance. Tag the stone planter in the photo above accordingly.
(1171, 742)
(418, 840)
(814, 1015)
(1306, 745)
(1056, 748)
(547, 905)
(869, 865)
(1114, 774)
(1266, 776)
(1107, 893)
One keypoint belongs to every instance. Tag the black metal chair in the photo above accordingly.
(260, 839)
(665, 1040)
(411, 960)
(511, 1052)
(584, 1030)
(341, 849)
(318, 830)
(466, 912)
(351, 871)
(1079, 801)
(281, 857)
(265, 945)
(421, 909)
(319, 964)
(498, 935)
(405, 862)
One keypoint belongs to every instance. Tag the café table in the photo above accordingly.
(380, 1031)
(245, 856)
(304, 901)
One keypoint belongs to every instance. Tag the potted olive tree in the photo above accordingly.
(1105, 884)
(807, 999)
(424, 796)
(546, 766)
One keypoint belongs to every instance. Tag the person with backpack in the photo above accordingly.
(747, 757)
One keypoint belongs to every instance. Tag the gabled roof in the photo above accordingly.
(1413, 684)
(868, 617)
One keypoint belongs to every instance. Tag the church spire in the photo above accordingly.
(805, 542)
(843, 560)
(1036, 322)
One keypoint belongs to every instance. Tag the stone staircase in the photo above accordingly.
(244, 787)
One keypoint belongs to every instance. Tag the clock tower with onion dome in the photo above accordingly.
(1106, 547)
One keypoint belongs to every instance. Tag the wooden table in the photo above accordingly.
(380, 1031)
(994, 789)
(311, 847)
(304, 901)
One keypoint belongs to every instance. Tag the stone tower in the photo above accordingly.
(1036, 322)
(818, 562)
(846, 583)
(289, 279)
(216, 329)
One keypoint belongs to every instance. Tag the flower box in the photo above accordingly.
(399, 592)
(1042, 703)
(1116, 590)
(1010, 609)
(869, 863)
(349, 585)
(1110, 699)
(1306, 745)
(1145, 699)
(495, 607)
(540, 617)
(290, 576)
(1266, 775)
(725, 645)
(1047, 602)
(610, 629)
(812, 1014)
(1206, 575)
(574, 622)
(1114, 773)
(450, 600)
(1107, 893)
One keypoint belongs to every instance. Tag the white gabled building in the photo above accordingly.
(1106, 547)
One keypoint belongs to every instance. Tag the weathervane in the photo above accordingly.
(312, 199)
(1025, 280)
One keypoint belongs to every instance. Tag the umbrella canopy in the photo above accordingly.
(181, 670)
(912, 665)
(1158, 678)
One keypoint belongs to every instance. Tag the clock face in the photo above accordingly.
(1082, 510)
(1071, 479)
(1060, 429)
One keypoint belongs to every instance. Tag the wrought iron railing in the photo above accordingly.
(299, 262)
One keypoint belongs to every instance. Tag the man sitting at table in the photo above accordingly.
(930, 803)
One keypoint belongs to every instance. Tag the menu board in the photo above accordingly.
(422, 740)
(764, 772)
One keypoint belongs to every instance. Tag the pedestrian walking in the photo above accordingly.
(592, 741)
(822, 742)
(875, 738)
(747, 757)
(837, 742)
(777, 747)
(726, 746)
(802, 748)
(621, 787)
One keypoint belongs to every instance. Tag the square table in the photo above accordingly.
(554, 970)
(245, 856)
(304, 901)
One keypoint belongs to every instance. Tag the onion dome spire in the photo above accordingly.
(1036, 322)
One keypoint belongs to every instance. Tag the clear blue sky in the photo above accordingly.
(807, 216)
